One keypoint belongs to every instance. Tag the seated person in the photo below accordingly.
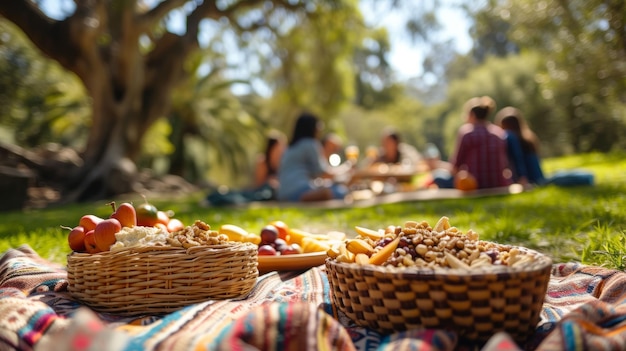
(522, 147)
(480, 148)
(304, 173)
(523, 152)
(394, 151)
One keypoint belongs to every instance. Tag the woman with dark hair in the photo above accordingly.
(394, 151)
(390, 148)
(305, 174)
(522, 147)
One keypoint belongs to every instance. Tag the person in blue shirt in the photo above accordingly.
(522, 147)
(304, 173)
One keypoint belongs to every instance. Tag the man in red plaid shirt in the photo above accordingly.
(481, 146)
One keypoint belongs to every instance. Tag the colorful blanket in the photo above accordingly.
(584, 309)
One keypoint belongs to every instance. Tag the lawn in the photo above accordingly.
(575, 223)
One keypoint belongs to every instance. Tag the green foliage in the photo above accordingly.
(39, 101)
(210, 124)
(579, 223)
(584, 55)
(363, 127)
(316, 69)
(155, 142)
(490, 33)
(374, 83)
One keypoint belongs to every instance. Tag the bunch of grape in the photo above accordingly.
(274, 244)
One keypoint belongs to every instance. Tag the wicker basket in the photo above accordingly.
(156, 280)
(475, 304)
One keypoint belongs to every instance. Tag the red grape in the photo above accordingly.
(267, 250)
(269, 234)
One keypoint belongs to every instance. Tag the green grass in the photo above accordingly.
(578, 223)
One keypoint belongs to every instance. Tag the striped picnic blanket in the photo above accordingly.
(584, 309)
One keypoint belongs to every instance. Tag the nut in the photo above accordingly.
(438, 246)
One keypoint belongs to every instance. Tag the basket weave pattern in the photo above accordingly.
(475, 304)
(161, 279)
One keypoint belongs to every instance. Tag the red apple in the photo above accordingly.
(175, 225)
(104, 234)
(89, 222)
(125, 214)
(76, 239)
(90, 243)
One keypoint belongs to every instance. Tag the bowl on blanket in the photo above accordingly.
(161, 279)
(475, 303)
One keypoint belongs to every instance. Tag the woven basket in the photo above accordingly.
(476, 304)
(156, 280)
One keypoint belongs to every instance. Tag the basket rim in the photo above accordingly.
(231, 245)
(542, 262)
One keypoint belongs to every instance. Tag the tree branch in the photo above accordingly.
(70, 42)
(208, 10)
(48, 35)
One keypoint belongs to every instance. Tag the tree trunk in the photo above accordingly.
(119, 125)
(130, 89)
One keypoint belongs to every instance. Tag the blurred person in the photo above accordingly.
(304, 173)
(267, 164)
(394, 151)
(522, 147)
(523, 152)
(480, 152)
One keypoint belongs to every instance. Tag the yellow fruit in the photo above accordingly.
(314, 245)
(235, 233)
(358, 246)
(252, 238)
(370, 233)
(381, 256)
(297, 236)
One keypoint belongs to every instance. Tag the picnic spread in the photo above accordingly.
(584, 309)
